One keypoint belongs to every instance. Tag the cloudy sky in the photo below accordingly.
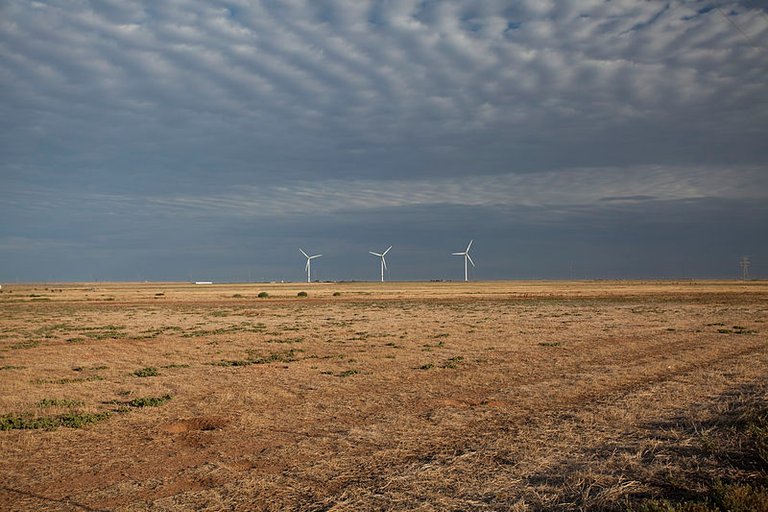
(197, 140)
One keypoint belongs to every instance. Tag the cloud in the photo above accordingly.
(337, 83)
(589, 188)
(132, 120)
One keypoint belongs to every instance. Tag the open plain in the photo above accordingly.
(382, 396)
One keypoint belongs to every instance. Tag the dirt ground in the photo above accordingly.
(371, 396)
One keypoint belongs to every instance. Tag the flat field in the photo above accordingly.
(371, 396)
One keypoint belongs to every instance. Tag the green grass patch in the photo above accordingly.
(297, 339)
(58, 402)
(148, 401)
(90, 378)
(285, 356)
(347, 373)
(149, 371)
(25, 344)
(453, 362)
(550, 344)
(71, 420)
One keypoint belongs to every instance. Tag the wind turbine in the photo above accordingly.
(467, 257)
(308, 268)
(383, 261)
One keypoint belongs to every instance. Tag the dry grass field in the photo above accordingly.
(397, 396)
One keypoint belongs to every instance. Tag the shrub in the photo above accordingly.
(301, 294)
(149, 371)
(149, 401)
(263, 295)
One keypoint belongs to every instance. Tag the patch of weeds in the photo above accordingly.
(12, 367)
(149, 371)
(25, 344)
(347, 373)
(428, 348)
(149, 401)
(58, 402)
(297, 339)
(301, 294)
(263, 295)
(286, 356)
(337, 294)
(326, 372)
(391, 344)
(92, 368)
(234, 362)
(160, 294)
(427, 366)
(241, 327)
(170, 366)
(550, 344)
(237, 296)
(104, 332)
(453, 362)
(71, 420)
(75, 340)
(91, 378)
(440, 335)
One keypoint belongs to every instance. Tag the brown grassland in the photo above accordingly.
(398, 396)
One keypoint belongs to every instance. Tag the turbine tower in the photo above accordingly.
(467, 257)
(308, 268)
(383, 261)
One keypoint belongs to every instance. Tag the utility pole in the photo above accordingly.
(744, 264)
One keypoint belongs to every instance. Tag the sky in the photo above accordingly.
(210, 140)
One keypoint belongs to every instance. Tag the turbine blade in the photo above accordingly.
(470, 245)
(385, 252)
(315, 256)
(306, 267)
(458, 253)
(384, 262)
(375, 254)
(470, 259)
(305, 254)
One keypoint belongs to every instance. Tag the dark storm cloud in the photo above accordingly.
(129, 125)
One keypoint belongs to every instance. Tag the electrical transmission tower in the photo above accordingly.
(744, 264)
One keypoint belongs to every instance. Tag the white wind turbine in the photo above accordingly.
(383, 261)
(467, 257)
(308, 268)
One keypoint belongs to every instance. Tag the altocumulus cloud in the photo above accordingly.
(123, 122)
